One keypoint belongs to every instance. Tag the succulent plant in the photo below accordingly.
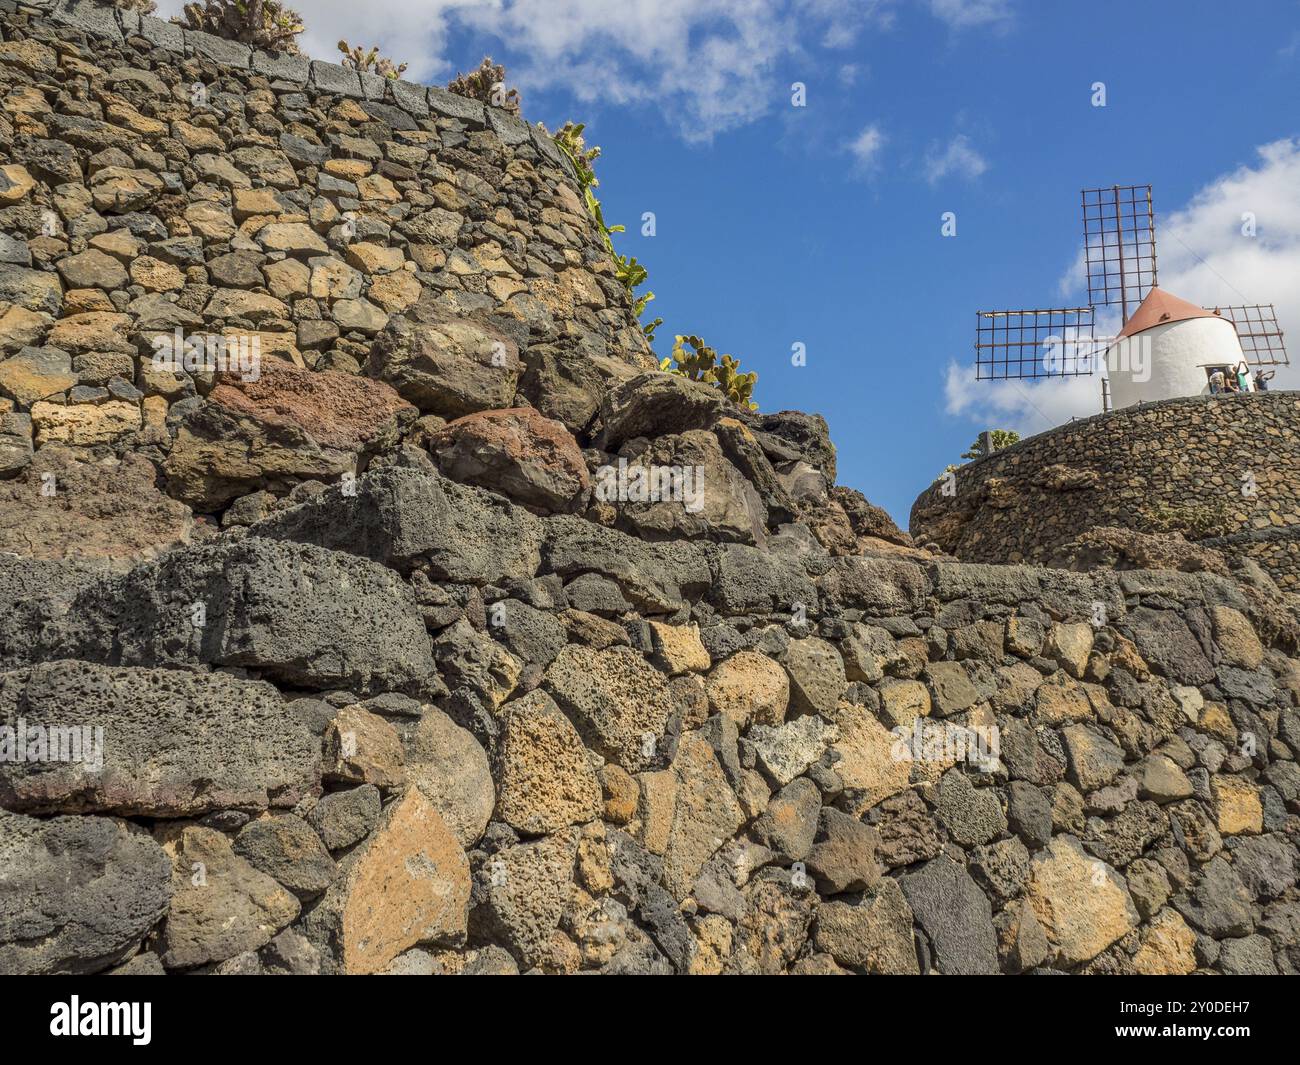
(140, 7)
(264, 24)
(570, 141)
(630, 273)
(357, 58)
(1001, 438)
(487, 84)
(702, 363)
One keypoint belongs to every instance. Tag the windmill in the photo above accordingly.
(1166, 346)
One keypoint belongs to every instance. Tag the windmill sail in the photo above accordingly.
(1040, 342)
(1119, 245)
(1259, 332)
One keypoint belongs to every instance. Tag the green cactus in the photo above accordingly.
(570, 141)
(701, 363)
(630, 273)
(487, 84)
(140, 7)
(357, 58)
(264, 24)
(1001, 438)
(638, 308)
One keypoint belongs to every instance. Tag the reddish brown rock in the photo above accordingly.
(287, 426)
(340, 410)
(518, 451)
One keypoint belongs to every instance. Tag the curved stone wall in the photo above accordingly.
(162, 183)
(1219, 469)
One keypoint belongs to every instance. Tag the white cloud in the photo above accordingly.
(709, 65)
(866, 147)
(1028, 407)
(1203, 257)
(1206, 258)
(964, 14)
(958, 158)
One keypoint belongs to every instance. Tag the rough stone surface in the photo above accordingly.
(447, 763)
(1082, 903)
(530, 458)
(525, 894)
(101, 508)
(451, 368)
(872, 936)
(284, 427)
(616, 699)
(298, 614)
(1170, 514)
(343, 818)
(409, 883)
(546, 780)
(221, 905)
(169, 743)
(816, 675)
(954, 915)
(749, 687)
(78, 894)
(288, 849)
(340, 485)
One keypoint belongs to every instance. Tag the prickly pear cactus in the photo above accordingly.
(264, 24)
(701, 363)
(487, 84)
(358, 58)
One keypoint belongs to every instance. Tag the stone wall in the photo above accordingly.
(1277, 550)
(389, 660)
(159, 180)
(422, 729)
(1182, 465)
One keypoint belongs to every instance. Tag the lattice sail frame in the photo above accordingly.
(1119, 245)
(1035, 343)
(1259, 332)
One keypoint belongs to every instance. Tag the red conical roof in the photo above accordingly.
(1161, 308)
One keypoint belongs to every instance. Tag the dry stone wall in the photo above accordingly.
(1219, 470)
(404, 657)
(162, 183)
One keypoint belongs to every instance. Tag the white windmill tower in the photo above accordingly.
(1166, 347)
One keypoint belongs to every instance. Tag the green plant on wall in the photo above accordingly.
(630, 273)
(140, 7)
(357, 58)
(702, 363)
(1001, 438)
(487, 85)
(1196, 521)
(264, 24)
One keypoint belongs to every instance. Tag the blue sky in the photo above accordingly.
(821, 225)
